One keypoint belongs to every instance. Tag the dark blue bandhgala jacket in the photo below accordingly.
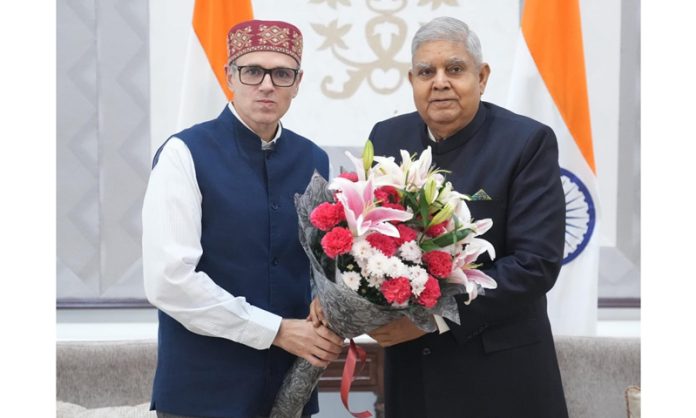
(501, 361)
(250, 249)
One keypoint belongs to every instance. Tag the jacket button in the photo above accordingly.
(426, 351)
(275, 261)
(274, 206)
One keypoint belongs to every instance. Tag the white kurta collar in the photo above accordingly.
(264, 144)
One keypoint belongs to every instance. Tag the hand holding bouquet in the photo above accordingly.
(385, 241)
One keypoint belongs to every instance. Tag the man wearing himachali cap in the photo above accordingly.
(221, 256)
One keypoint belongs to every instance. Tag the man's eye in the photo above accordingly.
(425, 72)
(282, 74)
(253, 71)
(455, 69)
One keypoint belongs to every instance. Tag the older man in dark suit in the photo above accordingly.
(500, 361)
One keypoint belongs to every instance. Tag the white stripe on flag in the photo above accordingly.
(202, 98)
(573, 300)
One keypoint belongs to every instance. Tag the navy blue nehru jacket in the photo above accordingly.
(251, 249)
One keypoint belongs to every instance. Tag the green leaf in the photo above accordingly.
(409, 199)
(445, 239)
(423, 208)
(429, 245)
(452, 237)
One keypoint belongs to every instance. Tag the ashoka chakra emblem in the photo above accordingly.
(580, 215)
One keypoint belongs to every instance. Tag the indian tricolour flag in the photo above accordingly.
(204, 89)
(549, 85)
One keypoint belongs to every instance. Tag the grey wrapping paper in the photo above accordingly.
(348, 314)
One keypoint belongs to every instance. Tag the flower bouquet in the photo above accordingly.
(385, 241)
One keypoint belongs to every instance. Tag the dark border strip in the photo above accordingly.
(618, 303)
(86, 303)
(96, 303)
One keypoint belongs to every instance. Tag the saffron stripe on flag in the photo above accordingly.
(212, 19)
(552, 30)
(203, 91)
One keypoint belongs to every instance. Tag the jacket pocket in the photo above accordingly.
(512, 334)
(481, 209)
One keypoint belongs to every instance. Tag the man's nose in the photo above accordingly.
(441, 81)
(266, 82)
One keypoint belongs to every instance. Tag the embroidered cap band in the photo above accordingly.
(264, 35)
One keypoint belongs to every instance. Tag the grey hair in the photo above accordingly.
(447, 28)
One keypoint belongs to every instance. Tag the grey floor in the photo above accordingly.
(330, 405)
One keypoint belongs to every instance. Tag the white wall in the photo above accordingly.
(333, 122)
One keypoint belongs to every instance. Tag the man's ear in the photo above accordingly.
(484, 73)
(296, 87)
(229, 73)
(410, 77)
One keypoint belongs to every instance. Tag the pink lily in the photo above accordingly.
(410, 175)
(465, 272)
(388, 173)
(358, 164)
(479, 227)
(419, 170)
(361, 213)
(482, 226)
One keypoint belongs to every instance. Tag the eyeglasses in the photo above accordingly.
(253, 75)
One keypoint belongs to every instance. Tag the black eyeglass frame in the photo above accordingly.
(268, 71)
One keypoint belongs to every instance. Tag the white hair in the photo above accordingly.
(449, 29)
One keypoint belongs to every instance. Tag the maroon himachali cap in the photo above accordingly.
(264, 35)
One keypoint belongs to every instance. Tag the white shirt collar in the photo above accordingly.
(431, 135)
(264, 144)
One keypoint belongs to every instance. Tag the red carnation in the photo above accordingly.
(398, 290)
(350, 175)
(430, 294)
(386, 244)
(341, 212)
(327, 215)
(437, 230)
(406, 234)
(439, 263)
(387, 194)
(337, 241)
(392, 205)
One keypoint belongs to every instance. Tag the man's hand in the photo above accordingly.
(316, 314)
(396, 332)
(317, 345)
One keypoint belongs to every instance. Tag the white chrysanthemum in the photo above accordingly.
(410, 251)
(362, 249)
(351, 279)
(375, 281)
(418, 277)
(395, 268)
(362, 263)
(377, 265)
